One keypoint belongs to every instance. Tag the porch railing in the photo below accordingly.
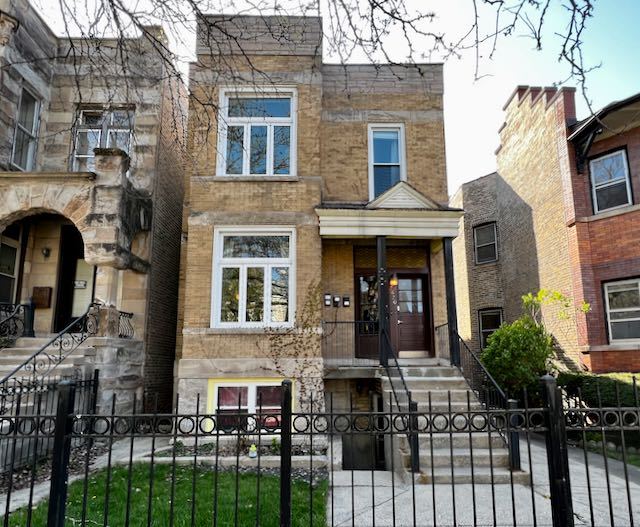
(16, 320)
(341, 345)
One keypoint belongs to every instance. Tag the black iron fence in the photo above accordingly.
(16, 320)
(281, 466)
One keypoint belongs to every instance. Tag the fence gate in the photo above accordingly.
(280, 467)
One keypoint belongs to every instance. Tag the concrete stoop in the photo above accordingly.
(448, 454)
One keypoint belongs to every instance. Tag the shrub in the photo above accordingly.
(588, 384)
(518, 354)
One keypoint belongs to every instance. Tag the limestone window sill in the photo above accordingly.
(238, 179)
(233, 331)
(609, 214)
(623, 346)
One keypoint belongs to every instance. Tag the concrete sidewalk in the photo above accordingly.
(394, 505)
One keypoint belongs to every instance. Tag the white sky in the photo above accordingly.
(473, 108)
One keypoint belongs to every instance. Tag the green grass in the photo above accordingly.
(632, 459)
(204, 499)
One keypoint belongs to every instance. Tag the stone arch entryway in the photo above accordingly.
(42, 257)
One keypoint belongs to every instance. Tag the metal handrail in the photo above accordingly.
(11, 319)
(42, 363)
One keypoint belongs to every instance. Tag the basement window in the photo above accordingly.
(489, 320)
(100, 129)
(257, 133)
(623, 310)
(233, 398)
(610, 184)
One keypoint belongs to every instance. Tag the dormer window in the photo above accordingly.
(100, 129)
(610, 185)
(386, 158)
(257, 133)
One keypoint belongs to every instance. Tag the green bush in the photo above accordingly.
(587, 385)
(518, 354)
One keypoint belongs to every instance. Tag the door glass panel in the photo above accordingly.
(410, 295)
(8, 259)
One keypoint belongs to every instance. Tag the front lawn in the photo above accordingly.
(183, 505)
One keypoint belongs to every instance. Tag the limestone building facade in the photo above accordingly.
(91, 186)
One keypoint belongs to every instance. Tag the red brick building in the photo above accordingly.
(565, 203)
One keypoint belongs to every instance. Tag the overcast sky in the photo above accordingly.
(473, 107)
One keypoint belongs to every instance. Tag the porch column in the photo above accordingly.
(452, 316)
(383, 300)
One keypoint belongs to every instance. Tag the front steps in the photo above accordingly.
(447, 455)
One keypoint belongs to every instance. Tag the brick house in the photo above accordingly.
(560, 214)
(309, 180)
(92, 188)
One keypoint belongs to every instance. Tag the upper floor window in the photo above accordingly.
(386, 158)
(257, 133)
(253, 283)
(623, 309)
(610, 183)
(489, 320)
(485, 238)
(26, 137)
(100, 129)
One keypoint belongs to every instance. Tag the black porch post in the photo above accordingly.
(452, 316)
(383, 299)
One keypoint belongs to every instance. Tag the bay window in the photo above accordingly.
(623, 309)
(257, 133)
(253, 283)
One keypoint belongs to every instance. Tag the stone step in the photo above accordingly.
(426, 371)
(436, 407)
(421, 361)
(428, 383)
(460, 440)
(481, 475)
(33, 342)
(439, 396)
(482, 457)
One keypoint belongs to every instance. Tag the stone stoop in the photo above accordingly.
(460, 456)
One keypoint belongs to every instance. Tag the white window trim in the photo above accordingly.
(33, 133)
(484, 311)
(377, 127)
(252, 393)
(224, 122)
(627, 178)
(219, 262)
(635, 281)
(476, 246)
(103, 132)
(16, 244)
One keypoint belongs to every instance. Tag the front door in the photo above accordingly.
(366, 324)
(409, 315)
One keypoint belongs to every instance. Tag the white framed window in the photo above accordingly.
(485, 240)
(257, 132)
(9, 262)
(26, 134)
(488, 320)
(248, 397)
(623, 310)
(387, 159)
(253, 278)
(98, 128)
(610, 183)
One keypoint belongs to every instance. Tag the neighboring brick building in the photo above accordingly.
(92, 190)
(305, 181)
(566, 216)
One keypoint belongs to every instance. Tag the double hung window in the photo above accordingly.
(485, 239)
(490, 320)
(386, 158)
(257, 134)
(253, 277)
(100, 129)
(9, 263)
(610, 183)
(623, 310)
(26, 135)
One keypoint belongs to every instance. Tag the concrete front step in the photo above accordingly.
(429, 382)
(461, 440)
(481, 457)
(425, 371)
(480, 475)
(438, 396)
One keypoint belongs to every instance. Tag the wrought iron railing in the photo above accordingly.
(41, 363)
(125, 325)
(342, 340)
(16, 320)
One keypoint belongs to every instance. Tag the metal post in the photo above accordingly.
(452, 315)
(383, 300)
(557, 456)
(413, 436)
(285, 456)
(514, 437)
(29, 317)
(60, 456)
(94, 391)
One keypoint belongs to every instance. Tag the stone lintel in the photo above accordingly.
(64, 176)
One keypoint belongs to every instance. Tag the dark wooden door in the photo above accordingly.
(409, 315)
(71, 250)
